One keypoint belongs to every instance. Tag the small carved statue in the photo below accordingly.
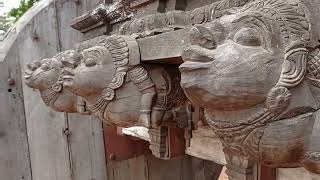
(118, 89)
(256, 73)
(44, 76)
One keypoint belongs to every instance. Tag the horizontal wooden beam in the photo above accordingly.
(165, 47)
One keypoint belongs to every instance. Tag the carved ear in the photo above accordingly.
(294, 66)
(293, 73)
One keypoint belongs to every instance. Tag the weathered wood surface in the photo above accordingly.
(151, 168)
(48, 145)
(14, 152)
(204, 144)
(61, 146)
(295, 174)
(166, 47)
(86, 146)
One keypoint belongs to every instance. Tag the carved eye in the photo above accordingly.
(90, 62)
(46, 66)
(247, 37)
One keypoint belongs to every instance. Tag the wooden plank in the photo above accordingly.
(14, 153)
(166, 47)
(86, 145)
(205, 145)
(159, 169)
(206, 170)
(48, 145)
(87, 151)
(138, 132)
(295, 174)
(132, 169)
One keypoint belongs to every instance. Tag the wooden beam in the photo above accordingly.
(165, 47)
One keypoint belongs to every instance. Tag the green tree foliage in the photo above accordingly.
(23, 7)
(5, 24)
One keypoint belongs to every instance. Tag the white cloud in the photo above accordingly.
(8, 4)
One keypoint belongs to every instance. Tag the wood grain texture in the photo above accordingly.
(14, 154)
(48, 145)
(43, 32)
(204, 144)
(86, 148)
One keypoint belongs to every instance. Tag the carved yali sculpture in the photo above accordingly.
(44, 76)
(256, 73)
(118, 89)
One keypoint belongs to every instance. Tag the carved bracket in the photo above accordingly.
(105, 13)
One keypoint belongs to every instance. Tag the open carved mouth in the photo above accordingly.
(191, 65)
(196, 57)
(28, 74)
(31, 77)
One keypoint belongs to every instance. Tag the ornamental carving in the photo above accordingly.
(105, 78)
(44, 76)
(253, 65)
(118, 89)
(255, 71)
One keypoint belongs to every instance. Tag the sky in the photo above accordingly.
(8, 4)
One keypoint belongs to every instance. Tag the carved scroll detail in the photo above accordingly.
(173, 20)
(119, 50)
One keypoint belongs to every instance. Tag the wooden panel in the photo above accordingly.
(48, 145)
(86, 148)
(133, 169)
(14, 153)
(148, 167)
(295, 174)
(204, 144)
(267, 173)
(206, 170)
(121, 147)
(86, 145)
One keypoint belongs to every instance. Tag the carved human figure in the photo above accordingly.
(255, 72)
(44, 76)
(118, 89)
